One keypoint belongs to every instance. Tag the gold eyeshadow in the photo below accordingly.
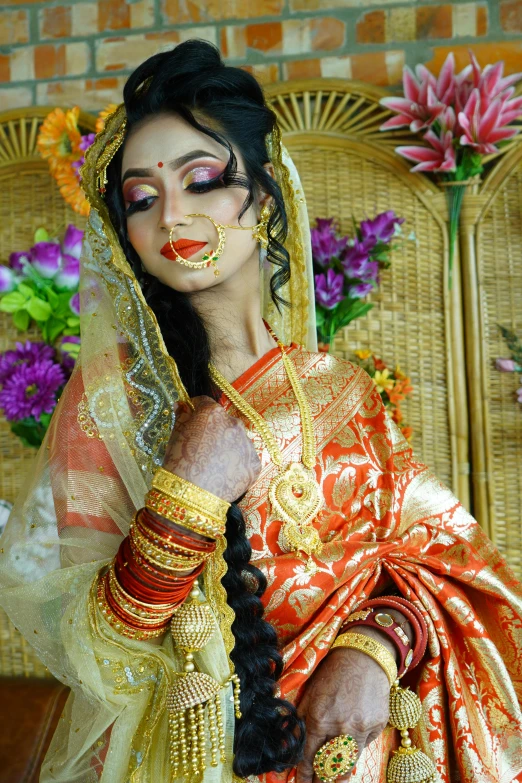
(139, 192)
(201, 174)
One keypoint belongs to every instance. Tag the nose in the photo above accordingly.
(173, 212)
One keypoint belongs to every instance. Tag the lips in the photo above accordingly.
(184, 247)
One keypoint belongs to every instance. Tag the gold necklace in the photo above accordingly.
(294, 494)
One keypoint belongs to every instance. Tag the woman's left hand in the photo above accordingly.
(348, 694)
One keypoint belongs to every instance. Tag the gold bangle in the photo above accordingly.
(117, 624)
(181, 514)
(168, 544)
(136, 608)
(157, 557)
(376, 650)
(186, 492)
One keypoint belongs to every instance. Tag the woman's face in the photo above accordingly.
(169, 171)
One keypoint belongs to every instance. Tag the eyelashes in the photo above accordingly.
(202, 179)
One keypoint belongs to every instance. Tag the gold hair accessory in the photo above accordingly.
(335, 758)
(107, 155)
(194, 692)
(190, 495)
(376, 650)
(295, 495)
(408, 764)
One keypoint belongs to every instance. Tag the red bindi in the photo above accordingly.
(160, 165)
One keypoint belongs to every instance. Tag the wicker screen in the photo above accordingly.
(29, 198)
(498, 251)
(350, 171)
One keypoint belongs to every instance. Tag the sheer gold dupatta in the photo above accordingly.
(106, 438)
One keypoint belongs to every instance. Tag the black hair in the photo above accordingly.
(192, 81)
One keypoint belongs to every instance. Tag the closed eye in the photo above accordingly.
(142, 205)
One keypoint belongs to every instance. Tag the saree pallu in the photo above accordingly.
(388, 523)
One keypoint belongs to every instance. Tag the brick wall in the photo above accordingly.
(80, 51)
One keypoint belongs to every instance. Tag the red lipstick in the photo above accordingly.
(184, 247)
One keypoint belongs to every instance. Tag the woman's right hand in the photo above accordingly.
(212, 450)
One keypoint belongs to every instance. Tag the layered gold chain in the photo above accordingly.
(259, 424)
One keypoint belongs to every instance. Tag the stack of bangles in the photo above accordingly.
(156, 565)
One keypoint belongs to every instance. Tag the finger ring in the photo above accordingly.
(335, 758)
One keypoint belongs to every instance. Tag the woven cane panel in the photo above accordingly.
(29, 199)
(407, 325)
(499, 259)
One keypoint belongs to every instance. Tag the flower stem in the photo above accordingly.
(455, 198)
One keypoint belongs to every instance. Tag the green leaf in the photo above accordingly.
(73, 330)
(21, 320)
(38, 309)
(29, 431)
(41, 235)
(25, 289)
(73, 321)
(52, 298)
(55, 328)
(12, 302)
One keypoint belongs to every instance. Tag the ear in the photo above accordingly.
(264, 198)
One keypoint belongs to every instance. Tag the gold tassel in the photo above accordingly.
(408, 764)
(193, 702)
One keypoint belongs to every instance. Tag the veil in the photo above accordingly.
(106, 438)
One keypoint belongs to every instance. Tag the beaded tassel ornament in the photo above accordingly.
(408, 764)
(193, 702)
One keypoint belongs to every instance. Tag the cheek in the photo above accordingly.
(140, 235)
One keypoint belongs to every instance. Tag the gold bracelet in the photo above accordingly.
(165, 544)
(116, 623)
(158, 557)
(376, 650)
(137, 609)
(181, 514)
(187, 493)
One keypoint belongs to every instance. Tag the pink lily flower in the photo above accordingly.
(440, 157)
(419, 108)
(444, 86)
(482, 124)
(491, 82)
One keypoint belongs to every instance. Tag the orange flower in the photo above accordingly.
(70, 189)
(397, 415)
(379, 364)
(59, 138)
(102, 116)
(407, 432)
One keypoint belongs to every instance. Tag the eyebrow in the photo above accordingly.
(177, 163)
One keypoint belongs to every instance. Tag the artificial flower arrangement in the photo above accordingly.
(40, 286)
(515, 363)
(464, 117)
(346, 271)
(393, 386)
(63, 146)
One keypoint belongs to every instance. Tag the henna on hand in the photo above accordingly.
(347, 694)
(212, 450)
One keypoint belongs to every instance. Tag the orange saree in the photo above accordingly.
(388, 523)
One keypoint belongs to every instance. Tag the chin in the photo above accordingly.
(188, 281)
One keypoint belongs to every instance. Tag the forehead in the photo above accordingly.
(165, 137)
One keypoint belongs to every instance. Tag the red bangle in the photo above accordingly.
(412, 614)
(163, 530)
(374, 618)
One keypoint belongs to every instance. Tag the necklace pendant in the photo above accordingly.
(296, 499)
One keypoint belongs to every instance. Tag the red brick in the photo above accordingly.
(180, 11)
(482, 20)
(327, 34)
(511, 16)
(434, 22)
(95, 93)
(113, 15)
(302, 69)
(49, 61)
(508, 51)
(14, 27)
(265, 73)
(5, 68)
(55, 22)
(233, 42)
(265, 37)
(370, 68)
(371, 28)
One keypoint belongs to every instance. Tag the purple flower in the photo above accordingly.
(325, 244)
(356, 261)
(7, 279)
(25, 354)
(329, 289)
(68, 348)
(519, 395)
(17, 261)
(74, 304)
(46, 258)
(84, 144)
(72, 241)
(506, 365)
(69, 274)
(31, 390)
(381, 228)
(360, 290)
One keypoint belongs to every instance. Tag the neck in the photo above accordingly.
(231, 312)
